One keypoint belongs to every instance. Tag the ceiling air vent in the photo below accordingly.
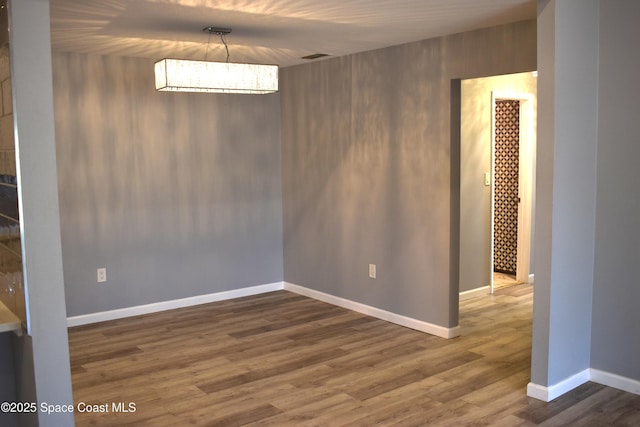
(315, 56)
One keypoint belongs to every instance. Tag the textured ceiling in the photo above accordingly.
(266, 31)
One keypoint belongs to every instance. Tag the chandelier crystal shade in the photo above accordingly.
(179, 75)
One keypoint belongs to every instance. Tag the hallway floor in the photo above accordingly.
(501, 280)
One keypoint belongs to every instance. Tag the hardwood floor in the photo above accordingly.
(501, 280)
(281, 359)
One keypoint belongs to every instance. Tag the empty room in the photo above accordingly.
(311, 239)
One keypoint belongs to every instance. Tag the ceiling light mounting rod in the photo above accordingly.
(218, 32)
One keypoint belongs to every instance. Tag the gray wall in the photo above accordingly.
(544, 181)
(616, 293)
(475, 159)
(41, 359)
(176, 194)
(367, 178)
(566, 189)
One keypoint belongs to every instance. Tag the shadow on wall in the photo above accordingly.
(177, 194)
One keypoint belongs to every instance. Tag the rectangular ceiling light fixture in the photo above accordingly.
(179, 75)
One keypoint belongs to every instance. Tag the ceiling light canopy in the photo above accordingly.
(181, 75)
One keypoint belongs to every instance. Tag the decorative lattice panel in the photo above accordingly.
(507, 147)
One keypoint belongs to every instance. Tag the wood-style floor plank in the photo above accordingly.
(281, 359)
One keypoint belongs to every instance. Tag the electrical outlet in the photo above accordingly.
(372, 271)
(102, 275)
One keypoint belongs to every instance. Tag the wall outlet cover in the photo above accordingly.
(101, 275)
(372, 271)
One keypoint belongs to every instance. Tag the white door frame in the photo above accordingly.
(525, 180)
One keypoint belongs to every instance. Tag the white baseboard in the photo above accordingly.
(538, 391)
(616, 381)
(419, 325)
(531, 278)
(120, 313)
(398, 319)
(547, 394)
(475, 293)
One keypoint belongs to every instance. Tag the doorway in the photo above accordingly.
(479, 169)
(512, 158)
